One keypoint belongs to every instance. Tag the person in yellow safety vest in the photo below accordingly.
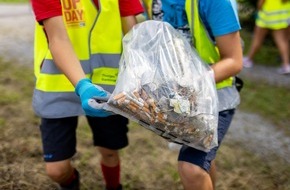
(77, 50)
(274, 16)
(212, 27)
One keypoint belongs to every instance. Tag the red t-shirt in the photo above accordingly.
(44, 9)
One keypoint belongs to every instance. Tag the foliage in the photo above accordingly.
(251, 3)
(247, 13)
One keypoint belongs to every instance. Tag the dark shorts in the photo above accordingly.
(203, 159)
(59, 135)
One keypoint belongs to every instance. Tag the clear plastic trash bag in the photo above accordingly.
(164, 86)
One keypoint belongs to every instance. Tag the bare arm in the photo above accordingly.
(230, 50)
(62, 50)
(127, 23)
(260, 4)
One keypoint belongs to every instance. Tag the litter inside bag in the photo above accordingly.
(164, 86)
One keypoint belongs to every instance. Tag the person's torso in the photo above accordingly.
(96, 36)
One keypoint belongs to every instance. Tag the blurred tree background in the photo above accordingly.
(247, 13)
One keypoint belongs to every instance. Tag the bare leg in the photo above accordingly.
(212, 173)
(59, 171)
(281, 40)
(109, 157)
(258, 38)
(193, 177)
(110, 163)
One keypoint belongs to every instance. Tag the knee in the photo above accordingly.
(58, 173)
(189, 172)
(108, 153)
(109, 157)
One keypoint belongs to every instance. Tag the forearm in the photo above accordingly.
(66, 60)
(230, 50)
(225, 68)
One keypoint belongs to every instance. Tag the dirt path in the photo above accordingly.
(250, 130)
(259, 136)
(267, 74)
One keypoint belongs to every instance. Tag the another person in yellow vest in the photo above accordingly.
(212, 27)
(274, 16)
(77, 51)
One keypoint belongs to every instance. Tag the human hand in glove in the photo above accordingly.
(93, 98)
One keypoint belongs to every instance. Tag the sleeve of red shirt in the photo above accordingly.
(130, 7)
(44, 9)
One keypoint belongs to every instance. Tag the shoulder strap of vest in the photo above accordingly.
(203, 44)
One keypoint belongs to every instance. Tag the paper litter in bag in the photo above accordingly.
(164, 86)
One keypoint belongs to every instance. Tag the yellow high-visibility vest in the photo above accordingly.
(148, 7)
(91, 33)
(274, 14)
(202, 41)
(203, 44)
(96, 35)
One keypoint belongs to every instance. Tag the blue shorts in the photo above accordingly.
(203, 159)
(59, 135)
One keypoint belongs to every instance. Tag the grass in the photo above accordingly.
(146, 164)
(271, 102)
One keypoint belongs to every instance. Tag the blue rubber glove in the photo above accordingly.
(93, 98)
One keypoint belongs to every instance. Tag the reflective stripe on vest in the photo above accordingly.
(274, 14)
(59, 82)
(202, 41)
(101, 68)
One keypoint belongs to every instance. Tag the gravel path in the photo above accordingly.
(16, 33)
(267, 74)
(257, 135)
(250, 130)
